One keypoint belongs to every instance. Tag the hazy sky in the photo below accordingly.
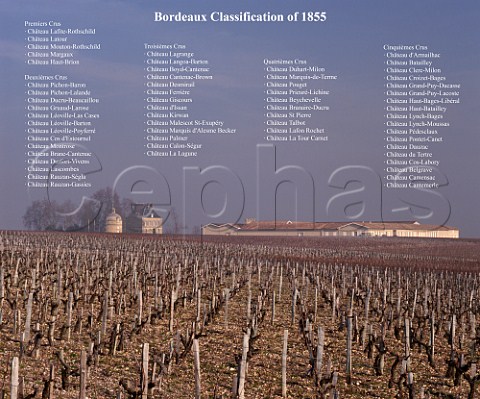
(234, 176)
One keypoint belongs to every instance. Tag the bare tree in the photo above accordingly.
(41, 215)
(173, 223)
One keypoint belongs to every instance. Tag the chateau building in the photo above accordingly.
(144, 220)
(252, 227)
(113, 223)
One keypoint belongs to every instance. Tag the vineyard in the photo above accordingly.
(116, 316)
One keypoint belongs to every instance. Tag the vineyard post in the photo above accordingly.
(69, 315)
(334, 303)
(473, 334)
(51, 377)
(196, 365)
(51, 327)
(59, 281)
(334, 385)
(425, 300)
(414, 304)
(243, 367)
(227, 297)
(22, 345)
(116, 338)
(179, 275)
(259, 274)
(249, 293)
(144, 371)
(319, 360)
(36, 352)
(356, 335)
(452, 330)
(214, 288)
(156, 290)
(449, 299)
(97, 351)
(382, 350)
(367, 309)
(384, 297)
(303, 276)
(407, 343)
(199, 304)
(14, 379)
(273, 307)
(280, 281)
(110, 283)
(140, 307)
(439, 308)
(83, 375)
(172, 309)
(28, 319)
(352, 299)
(399, 314)
(16, 318)
(473, 331)
(349, 346)
(284, 363)
(411, 391)
(294, 303)
(104, 315)
(195, 280)
(135, 276)
(432, 336)
(472, 379)
(86, 291)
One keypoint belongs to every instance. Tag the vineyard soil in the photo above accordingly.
(407, 308)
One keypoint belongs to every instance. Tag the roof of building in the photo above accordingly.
(113, 217)
(144, 211)
(292, 225)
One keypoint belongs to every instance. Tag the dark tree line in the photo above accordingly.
(90, 215)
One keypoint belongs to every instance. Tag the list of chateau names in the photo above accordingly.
(60, 112)
(293, 97)
(418, 95)
(51, 43)
(173, 72)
